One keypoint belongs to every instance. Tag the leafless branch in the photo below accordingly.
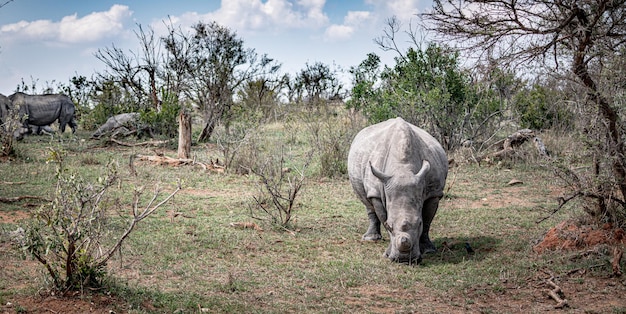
(137, 217)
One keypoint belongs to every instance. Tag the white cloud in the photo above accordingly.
(338, 32)
(404, 10)
(351, 22)
(257, 15)
(71, 29)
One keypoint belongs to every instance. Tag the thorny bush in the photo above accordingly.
(72, 235)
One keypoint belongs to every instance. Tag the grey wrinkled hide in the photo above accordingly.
(43, 110)
(40, 130)
(398, 171)
(5, 104)
(116, 122)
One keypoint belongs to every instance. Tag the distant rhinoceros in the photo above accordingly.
(5, 104)
(42, 110)
(119, 121)
(398, 171)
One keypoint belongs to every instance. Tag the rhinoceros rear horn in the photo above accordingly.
(425, 168)
(379, 174)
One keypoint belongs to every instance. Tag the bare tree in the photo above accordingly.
(315, 85)
(579, 35)
(211, 64)
(137, 73)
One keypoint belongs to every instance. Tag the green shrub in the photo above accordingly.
(538, 109)
(164, 122)
(71, 236)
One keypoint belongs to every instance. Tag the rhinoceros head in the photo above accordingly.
(403, 192)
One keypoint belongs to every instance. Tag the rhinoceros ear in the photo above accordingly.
(425, 168)
(379, 174)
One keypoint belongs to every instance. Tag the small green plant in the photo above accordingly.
(162, 121)
(71, 236)
(9, 124)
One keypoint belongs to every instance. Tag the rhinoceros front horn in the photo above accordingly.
(379, 174)
(425, 168)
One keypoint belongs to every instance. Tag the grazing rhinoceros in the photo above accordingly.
(398, 171)
(42, 110)
(40, 130)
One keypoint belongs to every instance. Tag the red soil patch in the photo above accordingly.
(13, 216)
(95, 304)
(569, 236)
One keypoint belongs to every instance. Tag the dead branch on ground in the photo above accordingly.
(174, 162)
(20, 198)
(508, 146)
(555, 293)
(617, 259)
(173, 214)
(12, 183)
(147, 143)
(246, 225)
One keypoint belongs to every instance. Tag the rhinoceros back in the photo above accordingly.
(43, 110)
(392, 144)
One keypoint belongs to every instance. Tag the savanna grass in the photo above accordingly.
(189, 257)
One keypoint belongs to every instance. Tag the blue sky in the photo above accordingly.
(50, 40)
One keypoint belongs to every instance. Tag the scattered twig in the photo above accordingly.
(148, 143)
(12, 183)
(19, 198)
(173, 214)
(617, 259)
(554, 293)
(246, 225)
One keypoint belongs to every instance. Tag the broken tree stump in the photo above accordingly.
(184, 135)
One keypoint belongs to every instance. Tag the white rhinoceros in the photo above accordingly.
(398, 171)
(42, 110)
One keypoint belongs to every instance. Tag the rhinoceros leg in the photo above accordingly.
(373, 231)
(73, 125)
(428, 213)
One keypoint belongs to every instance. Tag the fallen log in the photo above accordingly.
(169, 161)
(147, 143)
(508, 146)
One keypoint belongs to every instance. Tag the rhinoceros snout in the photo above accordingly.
(405, 258)
(404, 245)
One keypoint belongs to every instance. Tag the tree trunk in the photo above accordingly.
(615, 148)
(184, 135)
(207, 131)
(616, 145)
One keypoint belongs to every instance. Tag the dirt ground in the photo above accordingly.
(579, 291)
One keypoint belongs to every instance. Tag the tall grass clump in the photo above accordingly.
(330, 131)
